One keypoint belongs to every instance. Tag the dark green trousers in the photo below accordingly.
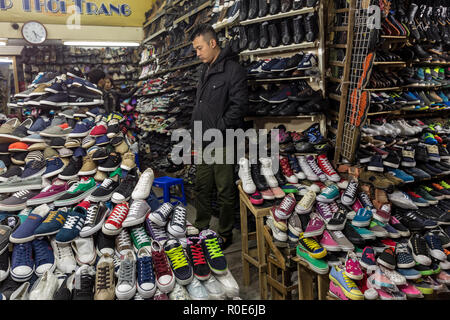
(221, 176)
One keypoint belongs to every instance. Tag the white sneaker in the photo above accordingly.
(144, 185)
(310, 175)
(229, 283)
(179, 292)
(306, 203)
(84, 249)
(267, 172)
(21, 293)
(64, 257)
(196, 290)
(248, 185)
(45, 287)
(126, 284)
(139, 210)
(402, 200)
(278, 234)
(177, 224)
(215, 289)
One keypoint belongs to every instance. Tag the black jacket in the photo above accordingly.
(112, 98)
(222, 94)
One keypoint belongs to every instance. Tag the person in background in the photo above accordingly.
(97, 77)
(112, 96)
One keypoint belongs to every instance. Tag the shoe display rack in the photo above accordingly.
(119, 63)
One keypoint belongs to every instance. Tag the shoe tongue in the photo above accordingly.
(209, 234)
(171, 244)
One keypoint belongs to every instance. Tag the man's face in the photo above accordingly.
(204, 49)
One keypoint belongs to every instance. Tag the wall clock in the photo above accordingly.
(34, 32)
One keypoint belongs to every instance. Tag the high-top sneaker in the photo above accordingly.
(244, 174)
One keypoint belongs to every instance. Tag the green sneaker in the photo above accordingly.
(329, 194)
(76, 193)
(317, 265)
(424, 194)
(366, 234)
(118, 171)
(140, 238)
(424, 270)
(289, 188)
(423, 287)
(445, 184)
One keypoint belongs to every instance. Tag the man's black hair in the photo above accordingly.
(95, 75)
(205, 30)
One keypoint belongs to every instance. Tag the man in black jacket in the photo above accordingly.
(221, 103)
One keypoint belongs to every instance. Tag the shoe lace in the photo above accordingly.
(445, 184)
(91, 214)
(41, 251)
(119, 214)
(21, 193)
(286, 204)
(349, 282)
(165, 209)
(434, 242)
(420, 245)
(124, 239)
(161, 265)
(307, 199)
(313, 165)
(365, 200)
(136, 208)
(51, 216)
(144, 266)
(126, 271)
(352, 188)
(106, 183)
(23, 253)
(140, 235)
(86, 282)
(63, 251)
(311, 244)
(103, 278)
(213, 248)
(179, 216)
(325, 164)
(327, 213)
(198, 256)
(177, 257)
(70, 222)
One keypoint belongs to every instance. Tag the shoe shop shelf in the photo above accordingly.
(290, 47)
(390, 63)
(196, 10)
(384, 89)
(292, 123)
(227, 25)
(393, 37)
(426, 63)
(282, 79)
(156, 17)
(279, 268)
(157, 74)
(256, 256)
(154, 35)
(337, 63)
(335, 97)
(279, 16)
(150, 60)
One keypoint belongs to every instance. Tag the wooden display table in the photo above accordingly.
(255, 256)
(311, 285)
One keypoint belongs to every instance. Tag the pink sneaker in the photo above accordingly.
(352, 267)
(315, 226)
(443, 277)
(357, 205)
(286, 207)
(410, 290)
(328, 242)
(256, 198)
(278, 192)
(336, 292)
(267, 194)
(334, 207)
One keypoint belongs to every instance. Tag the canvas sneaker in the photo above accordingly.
(105, 191)
(126, 283)
(140, 238)
(403, 256)
(144, 185)
(25, 231)
(84, 250)
(349, 196)
(17, 201)
(286, 207)
(52, 223)
(104, 279)
(349, 288)
(310, 174)
(328, 194)
(352, 267)
(327, 168)
(213, 253)
(96, 215)
(49, 193)
(305, 205)
(181, 268)
(197, 257)
(76, 193)
(123, 243)
(435, 246)
(113, 224)
(342, 240)
(315, 250)
(161, 215)
(73, 224)
(125, 189)
(315, 226)
(338, 220)
(165, 280)
(315, 168)
(320, 266)
(146, 282)
(22, 262)
(177, 224)
(156, 232)
(280, 236)
(244, 173)
(139, 210)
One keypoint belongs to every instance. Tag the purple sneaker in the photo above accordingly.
(50, 193)
(315, 168)
(315, 226)
(324, 210)
(156, 232)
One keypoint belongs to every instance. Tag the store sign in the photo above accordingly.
(125, 13)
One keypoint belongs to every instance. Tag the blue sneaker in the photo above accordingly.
(280, 66)
(25, 232)
(22, 263)
(420, 74)
(442, 96)
(32, 138)
(366, 234)
(309, 61)
(52, 224)
(428, 138)
(362, 218)
(60, 85)
(417, 173)
(153, 201)
(102, 140)
(74, 223)
(278, 97)
(267, 67)
(368, 258)
(54, 167)
(79, 152)
(392, 232)
(347, 285)
(43, 77)
(81, 130)
(146, 284)
(39, 125)
(95, 111)
(78, 82)
(43, 256)
(410, 273)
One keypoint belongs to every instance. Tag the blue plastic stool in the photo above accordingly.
(165, 183)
